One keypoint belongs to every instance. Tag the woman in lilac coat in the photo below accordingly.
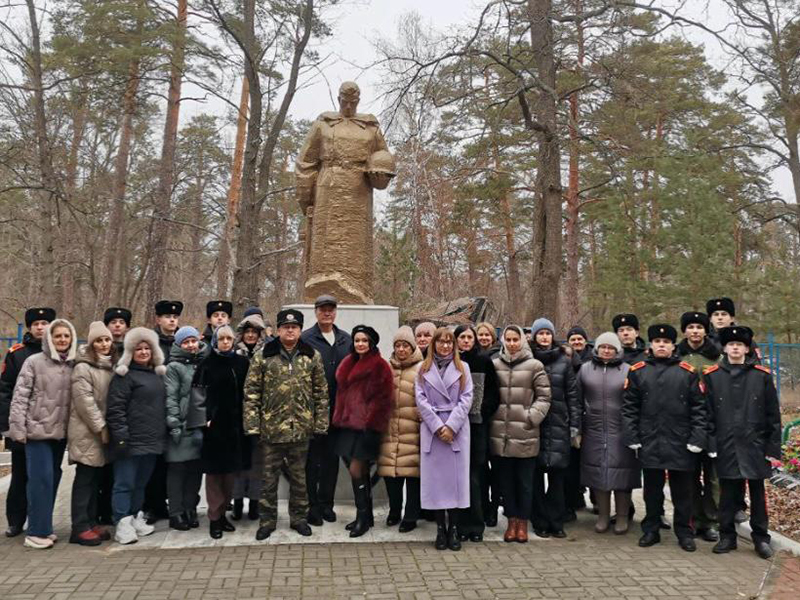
(444, 397)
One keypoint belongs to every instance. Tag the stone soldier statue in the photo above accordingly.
(286, 403)
(343, 159)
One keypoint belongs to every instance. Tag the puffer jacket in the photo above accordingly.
(182, 444)
(40, 405)
(12, 366)
(399, 454)
(563, 420)
(524, 402)
(87, 413)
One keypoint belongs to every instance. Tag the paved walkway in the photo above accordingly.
(585, 565)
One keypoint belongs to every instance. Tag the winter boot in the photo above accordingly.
(362, 523)
(602, 500)
(441, 537)
(252, 510)
(511, 531)
(622, 502)
(354, 483)
(238, 509)
(453, 539)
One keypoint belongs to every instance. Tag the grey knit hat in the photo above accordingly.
(609, 338)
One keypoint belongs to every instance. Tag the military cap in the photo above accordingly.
(219, 305)
(39, 313)
(725, 304)
(290, 316)
(736, 333)
(116, 312)
(625, 320)
(374, 338)
(169, 307)
(690, 317)
(324, 300)
(662, 331)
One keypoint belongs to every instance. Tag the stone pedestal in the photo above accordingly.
(385, 320)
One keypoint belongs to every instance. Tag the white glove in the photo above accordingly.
(694, 449)
(771, 459)
(635, 446)
(712, 455)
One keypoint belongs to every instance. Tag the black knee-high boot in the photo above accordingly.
(361, 525)
(452, 534)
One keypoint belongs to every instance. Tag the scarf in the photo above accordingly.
(442, 362)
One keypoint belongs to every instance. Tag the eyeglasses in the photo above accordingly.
(444, 343)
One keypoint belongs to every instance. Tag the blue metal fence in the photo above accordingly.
(7, 341)
(784, 361)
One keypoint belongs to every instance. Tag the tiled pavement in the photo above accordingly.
(585, 565)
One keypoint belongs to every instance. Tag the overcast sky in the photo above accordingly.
(358, 23)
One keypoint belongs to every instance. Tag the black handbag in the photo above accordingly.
(196, 411)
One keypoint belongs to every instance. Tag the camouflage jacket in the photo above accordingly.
(285, 401)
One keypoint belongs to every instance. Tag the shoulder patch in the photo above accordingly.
(710, 369)
(637, 366)
(763, 368)
(687, 366)
(16, 347)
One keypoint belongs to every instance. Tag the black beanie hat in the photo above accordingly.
(662, 331)
(577, 330)
(39, 313)
(725, 304)
(625, 320)
(690, 317)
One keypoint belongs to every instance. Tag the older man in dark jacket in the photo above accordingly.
(664, 419)
(322, 468)
(744, 434)
(36, 320)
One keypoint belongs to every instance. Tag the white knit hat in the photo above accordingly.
(609, 338)
(97, 329)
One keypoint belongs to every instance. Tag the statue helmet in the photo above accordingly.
(381, 161)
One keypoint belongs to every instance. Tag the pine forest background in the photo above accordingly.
(566, 158)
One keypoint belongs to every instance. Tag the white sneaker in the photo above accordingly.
(141, 526)
(39, 543)
(125, 533)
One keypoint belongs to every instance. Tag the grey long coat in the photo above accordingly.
(606, 463)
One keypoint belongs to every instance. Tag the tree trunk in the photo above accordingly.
(234, 192)
(547, 215)
(158, 242)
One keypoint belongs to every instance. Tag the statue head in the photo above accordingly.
(349, 95)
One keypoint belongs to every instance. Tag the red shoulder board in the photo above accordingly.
(638, 365)
(710, 369)
(763, 368)
(687, 366)
(16, 347)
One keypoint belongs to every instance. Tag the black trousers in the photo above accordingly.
(729, 502)
(104, 512)
(85, 488)
(17, 498)
(183, 486)
(515, 476)
(394, 489)
(680, 487)
(322, 471)
(548, 507)
(155, 494)
(470, 520)
(490, 490)
(573, 490)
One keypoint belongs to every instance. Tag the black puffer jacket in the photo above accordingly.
(136, 413)
(565, 408)
(225, 447)
(664, 410)
(744, 419)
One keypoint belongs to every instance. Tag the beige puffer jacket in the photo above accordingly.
(399, 454)
(524, 402)
(87, 414)
(40, 405)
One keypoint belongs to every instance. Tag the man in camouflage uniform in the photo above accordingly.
(286, 403)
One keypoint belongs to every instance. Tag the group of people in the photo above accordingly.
(457, 422)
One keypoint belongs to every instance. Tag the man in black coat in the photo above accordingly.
(626, 326)
(322, 466)
(664, 420)
(744, 433)
(118, 321)
(168, 314)
(218, 313)
(36, 320)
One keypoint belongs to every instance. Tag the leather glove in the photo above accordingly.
(693, 449)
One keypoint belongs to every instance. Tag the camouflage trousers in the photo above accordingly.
(294, 455)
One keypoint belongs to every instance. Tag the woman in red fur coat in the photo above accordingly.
(364, 388)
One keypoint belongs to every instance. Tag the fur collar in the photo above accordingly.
(273, 348)
(353, 368)
(132, 339)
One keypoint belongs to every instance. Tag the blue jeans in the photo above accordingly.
(43, 459)
(131, 474)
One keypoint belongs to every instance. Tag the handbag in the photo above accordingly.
(196, 411)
